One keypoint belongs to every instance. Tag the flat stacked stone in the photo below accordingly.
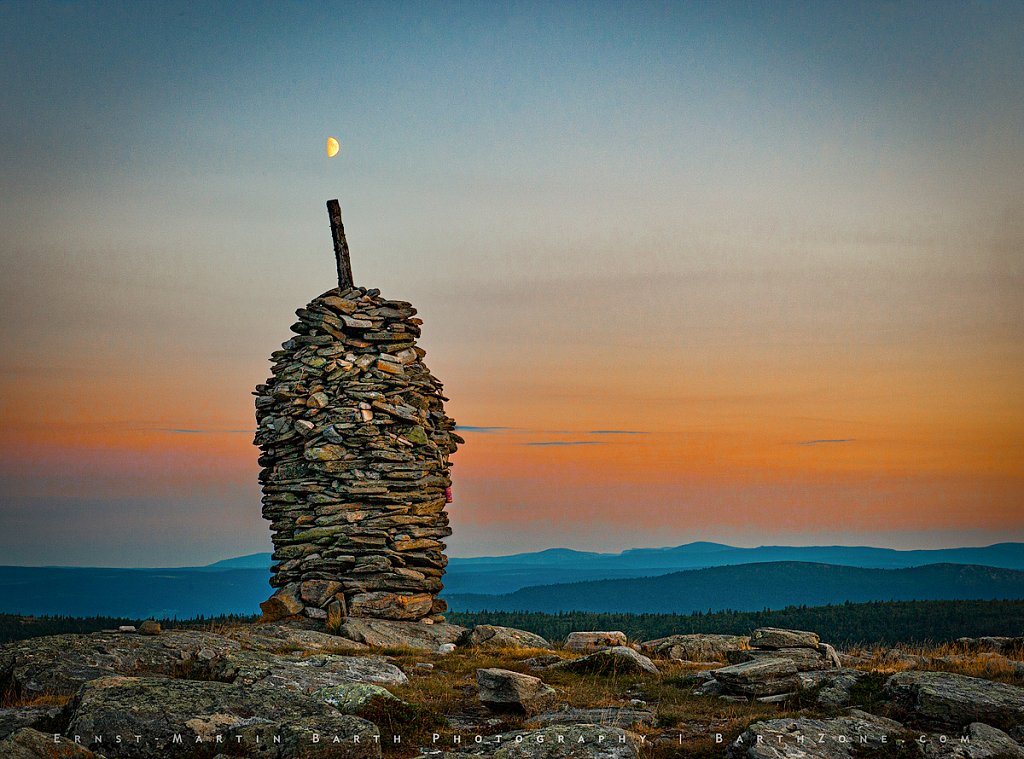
(354, 444)
(803, 648)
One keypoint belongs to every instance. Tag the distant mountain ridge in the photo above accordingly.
(752, 587)
(504, 574)
(237, 585)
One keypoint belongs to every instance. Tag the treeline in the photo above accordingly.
(880, 622)
(874, 623)
(19, 627)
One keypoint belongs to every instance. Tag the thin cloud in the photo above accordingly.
(820, 442)
(567, 442)
(618, 432)
(471, 428)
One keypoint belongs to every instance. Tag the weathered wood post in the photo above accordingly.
(341, 254)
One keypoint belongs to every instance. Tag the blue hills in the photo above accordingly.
(754, 587)
(237, 585)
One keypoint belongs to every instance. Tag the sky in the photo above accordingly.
(741, 272)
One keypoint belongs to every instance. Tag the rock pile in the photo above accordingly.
(803, 648)
(354, 446)
(768, 671)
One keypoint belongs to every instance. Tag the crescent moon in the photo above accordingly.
(332, 147)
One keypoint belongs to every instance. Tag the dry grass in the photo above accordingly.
(685, 723)
(10, 699)
(945, 657)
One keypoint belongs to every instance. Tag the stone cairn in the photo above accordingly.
(354, 445)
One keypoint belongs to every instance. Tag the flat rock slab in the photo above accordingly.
(495, 636)
(805, 738)
(59, 664)
(305, 674)
(278, 637)
(14, 718)
(594, 641)
(352, 698)
(158, 709)
(617, 659)
(387, 633)
(756, 670)
(31, 744)
(610, 716)
(948, 701)
(777, 637)
(502, 690)
(805, 659)
(695, 647)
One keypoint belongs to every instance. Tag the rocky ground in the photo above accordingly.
(409, 689)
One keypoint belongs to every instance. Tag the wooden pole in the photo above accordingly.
(340, 246)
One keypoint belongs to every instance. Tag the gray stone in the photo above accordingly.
(949, 701)
(758, 678)
(59, 664)
(502, 690)
(13, 718)
(777, 637)
(984, 742)
(836, 687)
(618, 659)
(594, 641)
(290, 635)
(388, 633)
(284, 603)
(611, 716)
(756, 670)
(805, 659)
(709, 688)
(31, 744)
(495, 636)
(807, 738)
(159, 708)
(304, 674)
(543, 662)
(696, 647)
(351, 698)
(386, 605)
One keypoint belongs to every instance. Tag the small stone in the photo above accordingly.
(149, 627)
(494, 636)
(284, 603)
(446, 648)
(424, 665)
(615, 660)
(594, 641)
(777, 637)
(126, 629)
(502, 690)
(318, 400)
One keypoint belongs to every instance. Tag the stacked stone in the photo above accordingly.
(803, 648)
(354, 446)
